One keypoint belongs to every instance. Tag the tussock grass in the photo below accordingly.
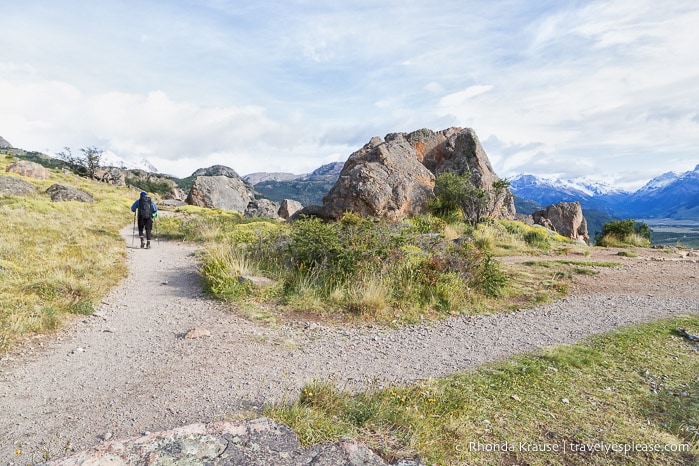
(628, 241)
(58, 259)
(636, 386)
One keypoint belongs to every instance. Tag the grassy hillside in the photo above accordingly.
(58, 259)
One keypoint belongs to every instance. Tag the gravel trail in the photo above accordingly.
(127, 369)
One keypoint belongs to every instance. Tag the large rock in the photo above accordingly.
(254, 442)
(220, 192)
(216, 170)
(29, 169)
(395, 177)
(565, 218)
(288, 208)
(11, 186)
(458, 150)
(61, 193)
(382, 179)
(262, 208)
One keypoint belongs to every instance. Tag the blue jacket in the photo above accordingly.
(153, 207)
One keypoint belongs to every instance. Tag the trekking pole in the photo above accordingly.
(133, 233)
(155, 224)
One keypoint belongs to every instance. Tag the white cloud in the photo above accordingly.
(461, 97)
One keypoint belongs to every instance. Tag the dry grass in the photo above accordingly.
(58, 259)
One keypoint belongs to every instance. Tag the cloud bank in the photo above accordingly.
(596, 88)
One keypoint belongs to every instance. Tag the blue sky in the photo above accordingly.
(602, 89)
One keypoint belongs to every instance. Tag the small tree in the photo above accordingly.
(624, 233)
(458, 193)
(86, 164)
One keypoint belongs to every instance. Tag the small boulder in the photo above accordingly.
(11, 186)
(262, 208)
(565, 218)
(28, 169)
(61, 193)
(288, 208)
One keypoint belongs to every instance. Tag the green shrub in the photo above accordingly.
(624, 233)
(538, 238)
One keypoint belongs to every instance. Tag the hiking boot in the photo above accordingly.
(148, 245)
(143, 242)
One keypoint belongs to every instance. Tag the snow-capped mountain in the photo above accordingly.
(670, 195)
(110, 159)
(592, 194)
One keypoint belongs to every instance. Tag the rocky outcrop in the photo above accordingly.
(382, 179)
(4, 144)
(395, 177)
(458, 150)
(217, 170)
(288, 208)
(11, 186)
(220, 192)
(565, 218)
(254, 442)
(28, 169)
(61, 193)
(262, 208)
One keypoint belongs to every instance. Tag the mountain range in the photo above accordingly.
(669, 196)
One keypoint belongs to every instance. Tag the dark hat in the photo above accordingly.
(143, 194)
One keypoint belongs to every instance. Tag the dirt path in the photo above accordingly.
(127, 370)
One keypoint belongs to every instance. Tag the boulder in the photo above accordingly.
(395, 177)
(217, 170)
(262, 208)
(251, 442)
(29, 169)
(565, 218)
(458, 150)
(11, 186)
(288, 208)
(61, 193)
(382, 179)
(220, 192)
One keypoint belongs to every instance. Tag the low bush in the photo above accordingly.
(624, 233)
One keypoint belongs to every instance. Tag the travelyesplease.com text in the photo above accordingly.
(576, 447)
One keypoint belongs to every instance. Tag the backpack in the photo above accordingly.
(145, 211)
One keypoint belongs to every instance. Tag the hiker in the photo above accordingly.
(146, 213)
